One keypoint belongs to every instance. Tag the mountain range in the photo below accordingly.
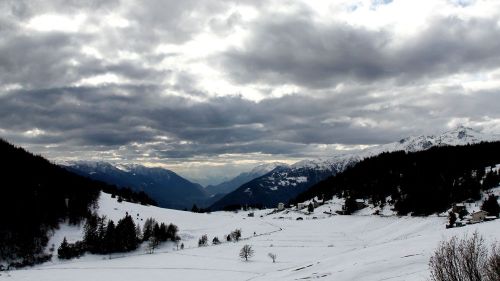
(265, 185)
(286, 182)
(166, 187)
(169, 189)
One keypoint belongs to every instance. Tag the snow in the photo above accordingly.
(330, 247)
(458, 136)
(266, 168)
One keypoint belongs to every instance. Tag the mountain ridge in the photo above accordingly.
(165, 186)
(284, 184)
(244, 177)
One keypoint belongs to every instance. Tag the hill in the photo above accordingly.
(421, 183)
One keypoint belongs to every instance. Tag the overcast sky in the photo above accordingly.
(209, 88)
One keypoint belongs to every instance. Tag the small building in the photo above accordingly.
(251, 214)
(281, 206)
(458, 208)
(360, 204)
(301, 205)
(478, 216)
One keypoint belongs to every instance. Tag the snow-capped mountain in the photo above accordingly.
(166, 187)
(231, 185)
(285, 183)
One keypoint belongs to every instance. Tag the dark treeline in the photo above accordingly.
(36, 196)
(103, 236)
(422, 182)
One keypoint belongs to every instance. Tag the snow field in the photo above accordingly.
(328, 248)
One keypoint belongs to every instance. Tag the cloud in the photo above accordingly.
(220, 83)
(299, 50)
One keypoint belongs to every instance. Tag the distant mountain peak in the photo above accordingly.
(462, 132)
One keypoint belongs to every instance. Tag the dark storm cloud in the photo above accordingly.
(98, 117)
(299, 50)
(36, 60)
(54, 59)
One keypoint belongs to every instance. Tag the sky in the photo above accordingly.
(210, 88)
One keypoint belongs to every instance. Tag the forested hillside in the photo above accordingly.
(422, 182)
(36, 195)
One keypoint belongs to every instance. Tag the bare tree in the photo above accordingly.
(152, 244)
(493, 264)
(464, 259)
(246, 252)
(272, 256)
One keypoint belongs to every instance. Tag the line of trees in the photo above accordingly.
(235, 236)
(102, 236)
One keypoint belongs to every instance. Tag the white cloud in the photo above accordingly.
(56, 22)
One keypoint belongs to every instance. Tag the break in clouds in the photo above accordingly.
(197, 84)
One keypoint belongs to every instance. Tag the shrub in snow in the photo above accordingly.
(465, 259)
(153, 244)
(215, 241)
(272, 256)
(236, 235)
(203, 241)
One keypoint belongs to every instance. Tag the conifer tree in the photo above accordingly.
(125, 233)
(491, 206)
(91, 236)
(109, 242)
(62, 251)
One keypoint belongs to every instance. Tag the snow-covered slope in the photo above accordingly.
(341, 248)
(285, 183)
